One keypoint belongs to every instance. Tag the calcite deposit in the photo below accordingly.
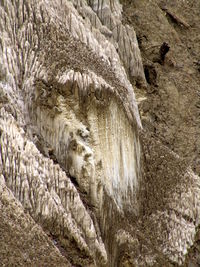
(98, 187)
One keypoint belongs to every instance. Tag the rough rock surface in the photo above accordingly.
(23, 242)
(99, 148)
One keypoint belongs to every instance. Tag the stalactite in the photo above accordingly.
(70, 134)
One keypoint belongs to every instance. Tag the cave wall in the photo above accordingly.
(78, 148)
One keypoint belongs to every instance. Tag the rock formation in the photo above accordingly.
(94, 168)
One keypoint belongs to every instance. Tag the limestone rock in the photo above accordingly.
(76, 165)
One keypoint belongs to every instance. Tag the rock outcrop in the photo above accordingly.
(84, 173)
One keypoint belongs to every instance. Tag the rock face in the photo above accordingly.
(84, 173)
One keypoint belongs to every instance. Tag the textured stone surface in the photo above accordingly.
(101, 189)
(20, 234)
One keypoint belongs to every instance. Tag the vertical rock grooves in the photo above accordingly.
(44, 190)
(70, 140)
(19, 233)
(62, 84)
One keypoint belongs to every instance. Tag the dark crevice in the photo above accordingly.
(150, 74)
